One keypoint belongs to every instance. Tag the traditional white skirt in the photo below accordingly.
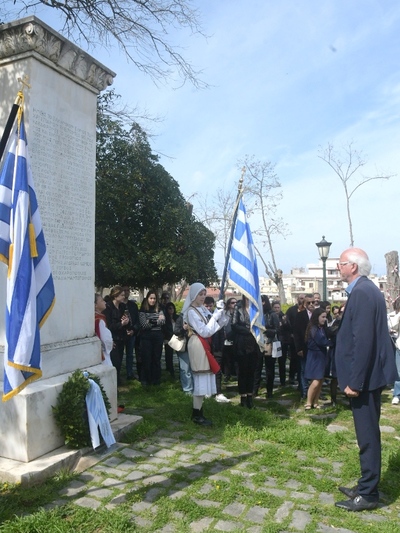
(204, 384)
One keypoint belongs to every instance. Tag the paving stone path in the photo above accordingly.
(146, 475)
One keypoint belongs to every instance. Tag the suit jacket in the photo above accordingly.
(299, 331)
(291, 314)
(364, 351)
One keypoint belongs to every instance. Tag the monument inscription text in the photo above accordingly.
(63, 161)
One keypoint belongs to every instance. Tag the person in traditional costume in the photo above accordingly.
(202, 325)
(102, 330)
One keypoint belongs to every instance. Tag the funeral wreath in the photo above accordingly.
(70, 411)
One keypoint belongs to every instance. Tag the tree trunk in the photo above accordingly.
(393, 281)
(179, 295)
(281, 289)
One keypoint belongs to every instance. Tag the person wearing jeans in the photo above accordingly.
(185, 372)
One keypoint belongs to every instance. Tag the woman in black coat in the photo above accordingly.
(247, 352)
(152, 320)
(117, 323)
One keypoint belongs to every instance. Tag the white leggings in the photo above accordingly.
(197, 402)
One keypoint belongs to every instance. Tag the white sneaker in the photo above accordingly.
(396, 400)
(220, 398)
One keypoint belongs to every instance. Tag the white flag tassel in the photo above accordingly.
(243, 273)
(30, 287)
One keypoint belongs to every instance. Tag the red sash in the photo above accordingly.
(214, 366)
(97, 318)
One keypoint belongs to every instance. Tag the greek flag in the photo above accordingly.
(243, 272)
(30, 288)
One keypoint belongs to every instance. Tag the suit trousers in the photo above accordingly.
(303, 382)
(366, 410)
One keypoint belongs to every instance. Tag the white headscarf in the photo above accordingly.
(194, 290)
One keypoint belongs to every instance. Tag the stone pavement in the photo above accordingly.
(152, 474)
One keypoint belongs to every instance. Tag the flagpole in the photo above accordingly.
(9, 125)
(228, 252)
(13, 113)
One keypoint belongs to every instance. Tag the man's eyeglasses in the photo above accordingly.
(343, 263)
(308, 303)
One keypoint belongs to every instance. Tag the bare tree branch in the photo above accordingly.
(366, 180)
(140, 28)
(262, 187)
(216, 214)
(345, 169)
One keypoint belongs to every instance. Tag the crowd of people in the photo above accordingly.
(305, 336)
(355, 346)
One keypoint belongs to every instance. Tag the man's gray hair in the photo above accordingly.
(360, 258)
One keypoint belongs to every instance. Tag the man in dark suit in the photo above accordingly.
(365, 364)
(294, 358)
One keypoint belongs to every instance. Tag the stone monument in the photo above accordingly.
(60, 119)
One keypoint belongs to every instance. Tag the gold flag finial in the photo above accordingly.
(24, 82)
(20, 96)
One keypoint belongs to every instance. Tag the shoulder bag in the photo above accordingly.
(177, 344)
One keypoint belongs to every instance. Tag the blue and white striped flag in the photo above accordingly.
(243, 272)
(30, 288)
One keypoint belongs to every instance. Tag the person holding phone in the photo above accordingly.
(152, 320)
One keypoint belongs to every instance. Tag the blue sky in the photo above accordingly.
(285, 78)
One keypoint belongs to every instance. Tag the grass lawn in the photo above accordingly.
(276, 441)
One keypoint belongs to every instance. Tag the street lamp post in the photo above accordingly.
(323, 249)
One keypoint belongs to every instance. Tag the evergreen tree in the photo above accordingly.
(145, 234)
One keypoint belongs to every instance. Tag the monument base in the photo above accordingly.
(28, 426)
(64, 458)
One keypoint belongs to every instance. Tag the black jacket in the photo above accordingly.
(299, 331)
(134, 323)
(113, 319)
(244, 341)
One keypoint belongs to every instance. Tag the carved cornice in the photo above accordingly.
(31, 34)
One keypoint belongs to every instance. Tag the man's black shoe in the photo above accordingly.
(350, 493)
(357, 504)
